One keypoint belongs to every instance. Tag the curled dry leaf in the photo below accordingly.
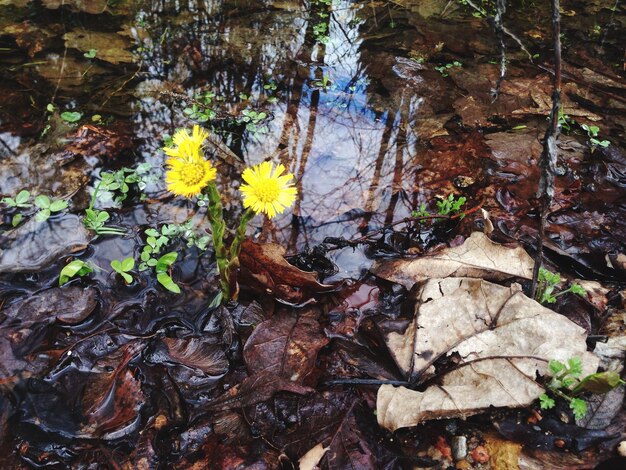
(264, 268)
(287, 345)
(503, 340)
(476, 257)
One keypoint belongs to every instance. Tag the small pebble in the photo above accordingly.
(480, 454)
(621, 449)
(459, 447)
(560, 443)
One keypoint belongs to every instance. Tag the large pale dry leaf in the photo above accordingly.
(311, 459)
(476, 257)
(502, 340)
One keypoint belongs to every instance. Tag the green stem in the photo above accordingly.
(240, 233)
(95, 194)
(216, 218)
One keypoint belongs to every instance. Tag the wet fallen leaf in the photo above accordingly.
(69, 305)
(112, 399)
(110, 47)
(193, 362)
(503, 340)
(286, 345)
(95, 141)
(264, 268)
(476, 257)
(255, 389)
(34, 245)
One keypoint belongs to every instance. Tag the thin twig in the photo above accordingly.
(549, 155)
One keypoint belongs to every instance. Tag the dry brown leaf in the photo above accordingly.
(311, 459)
(503, 340)
(476, 257)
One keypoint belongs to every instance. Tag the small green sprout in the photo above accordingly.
(325, 83)
(20, 201)
(592, 132)
(451, 205)
(548, 282)
(91, 53)
(566, 384)
(75, 268)
(71, 116)
(123, 267)
(47, 207)
(443, 69)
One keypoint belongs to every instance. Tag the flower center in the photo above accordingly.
(192, 174)
(267, 190)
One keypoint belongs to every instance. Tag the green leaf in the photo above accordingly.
(22, 197)
(602, 382)
(151, 262)
(575, 366)
(43, 215)
(152, 232)
(116, 265)
(556, 366)
(71, 116)
(127, 277)
(545, 402)
(578, 290)
(58, 205)
(128, 264)
(102, 216)
(91, 53)
(72, 269)
(17, 218)
(168, 283)
(42, 201)
(9, 202)
(166, 261)
(145, 256)
(151, 241)
(579, 407)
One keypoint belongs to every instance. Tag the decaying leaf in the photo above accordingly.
(112, 399)
(264, 268)
(476, 257)
(33, 245)
(502, 340)
(110, 47)
(286, 345)
(69, 305)
(255, 389)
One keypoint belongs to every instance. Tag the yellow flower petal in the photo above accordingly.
(188, 172)
(265, 190)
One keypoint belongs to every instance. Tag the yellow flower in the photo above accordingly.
(188, 172)
(266, 190)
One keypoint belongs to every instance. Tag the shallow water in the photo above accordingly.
(375, 107)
